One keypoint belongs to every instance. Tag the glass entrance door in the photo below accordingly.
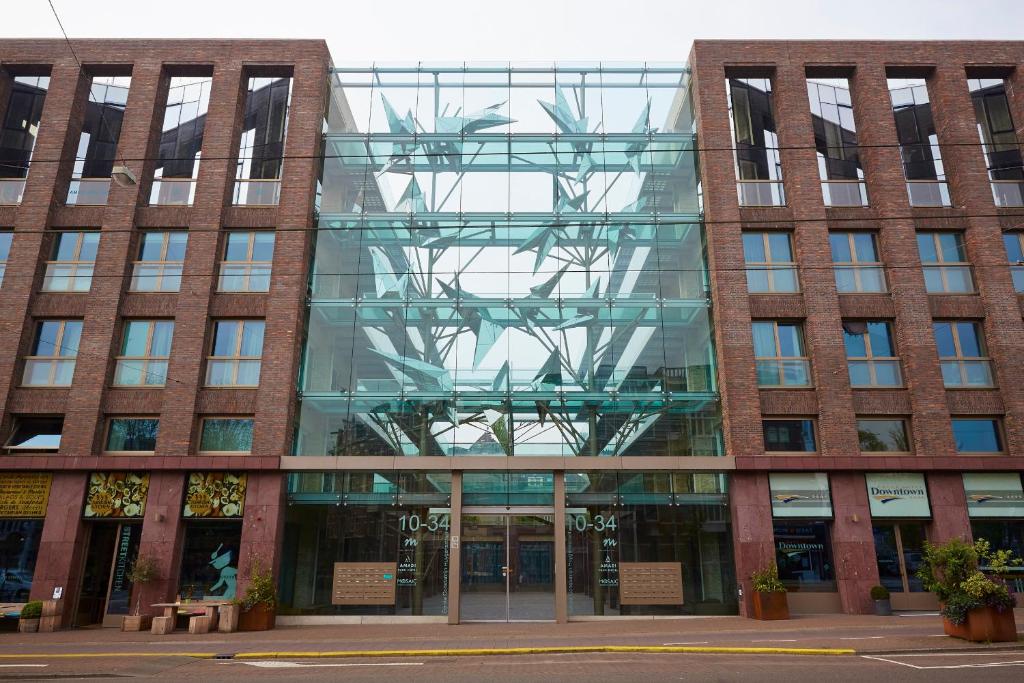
(508, 567)
(106, 590)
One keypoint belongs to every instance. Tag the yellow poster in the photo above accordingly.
(24, 494)
(117, 494)
(215, 494)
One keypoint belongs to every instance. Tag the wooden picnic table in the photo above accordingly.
(172, 609)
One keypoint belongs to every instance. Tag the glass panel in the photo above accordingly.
(132, 434)
(803, 552)
(883, 435)
(225, 338)
(887, 556)
(136, 338)
(209, 561)
(20, 542)
(912, 538)
(226, 434)
(977, 436)
(789, 435)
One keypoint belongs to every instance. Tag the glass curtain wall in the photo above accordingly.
(615, 520)
(336, 518)
(261, 147)
(94, 162)
(509, 261)
(19, 132)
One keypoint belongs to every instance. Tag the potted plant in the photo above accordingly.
(142, 572)
(28, 621)
(258, 605)
(769, 594)
(975, 599)
(880, 594)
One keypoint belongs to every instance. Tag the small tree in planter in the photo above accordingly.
(258, 606)
(28, 621)
(769, 594)
(880, 594)
(142, 572)
(976, 604)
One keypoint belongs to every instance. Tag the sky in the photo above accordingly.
(412, 30)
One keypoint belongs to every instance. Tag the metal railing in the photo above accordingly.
(88, 192)
(172, 192)
(844, 192)
(760, 193)
(257, 192)
(928, 193)
(1008, 192)
(11, 191)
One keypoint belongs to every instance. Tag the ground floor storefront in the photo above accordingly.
(484, 545)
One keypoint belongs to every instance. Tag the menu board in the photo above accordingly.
(364, 583)
(116, 494)
(651, 583)
(215, 495)
(24, 494)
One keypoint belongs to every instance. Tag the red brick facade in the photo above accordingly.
(924, 401)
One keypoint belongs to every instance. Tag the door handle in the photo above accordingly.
(505, 571)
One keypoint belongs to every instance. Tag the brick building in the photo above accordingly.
(319, 303)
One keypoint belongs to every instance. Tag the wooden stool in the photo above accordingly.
(199, 624)
(162, 626)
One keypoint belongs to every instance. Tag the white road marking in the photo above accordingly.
(919, 614)
(863, 638)
(11, 666)
(695, 642)
(276, 664)
(985, 665)
(775, 640)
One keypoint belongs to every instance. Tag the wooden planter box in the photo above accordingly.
(136, 622)
(228, 621)
(28, 625)
(258, 618)
(984, 625)
(770, 606)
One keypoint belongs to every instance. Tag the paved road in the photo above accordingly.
(607, 668)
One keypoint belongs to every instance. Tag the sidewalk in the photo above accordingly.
(863, 634)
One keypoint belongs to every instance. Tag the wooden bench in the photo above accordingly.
(202, 616)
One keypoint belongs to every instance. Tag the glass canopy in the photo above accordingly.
(509, 261)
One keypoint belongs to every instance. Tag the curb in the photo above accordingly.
(459, 652)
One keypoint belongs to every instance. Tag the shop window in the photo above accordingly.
(803, 552)
(145, 349)
(226, 435)
(795, 436)
(54, 350)
(962, 354)
(779, 354)
(857, 266)
(899, 550)
(36, 434)
(881, 435)
(944, 259)
(71, 265)
(247, 261)
(1002, 534)
(132, 434)
(770, 265)
(871, 354)
(235, 357)
(160, 262)
(977, 435)
(19, 547)
(209, 560)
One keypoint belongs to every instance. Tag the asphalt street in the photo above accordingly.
(611, 667)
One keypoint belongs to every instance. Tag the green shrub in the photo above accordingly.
(261, 589)
(767, 580)
(32, 610)
(879, 593)
(953, 571)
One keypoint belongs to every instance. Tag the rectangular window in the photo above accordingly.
(19, 134)
(6, 237)
(779, 354)
(789, 436)
(160, 261)
(754, 135)
(35, 434)
(870, 354)
(962, 354)
(54, 350)
(1014, 253)
(247, 261)
(944, 259)
(145, 348)
(226, 435)
(883, 435)
(898, 551)
(132, 434)
(209, 560)
(769, 260)
(998, 140)
(181, 141)
(803, 553)
(261, 148)
(21, 548)
(835, 141)
(71, 265)
(94, 162)
(857, 266)
(977, 435)
(919, 142)
(236, 354)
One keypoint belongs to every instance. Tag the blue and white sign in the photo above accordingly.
(804, 495)
(898, 494)
(994, 494)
